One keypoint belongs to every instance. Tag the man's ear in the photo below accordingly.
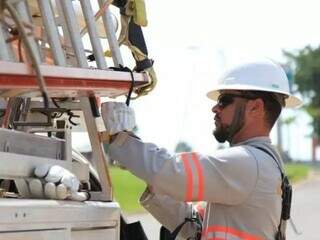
(255, 106)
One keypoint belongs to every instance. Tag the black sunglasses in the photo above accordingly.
(228, 98)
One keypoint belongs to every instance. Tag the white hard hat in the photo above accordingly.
(263, 75)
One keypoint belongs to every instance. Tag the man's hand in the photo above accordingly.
(55, 182)
(117, 117)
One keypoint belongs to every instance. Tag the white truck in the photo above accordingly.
(47, 87)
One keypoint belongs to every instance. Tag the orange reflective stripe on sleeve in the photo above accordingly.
(196, 162)
(228, 230)
(186, 158)
(189, 177)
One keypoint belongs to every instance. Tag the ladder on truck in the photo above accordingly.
(45, 74)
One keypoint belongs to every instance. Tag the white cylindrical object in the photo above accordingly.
(50, 191)
(62, 192)
(36, 188)
(41, 170)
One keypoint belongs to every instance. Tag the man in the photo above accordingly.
(242, 185)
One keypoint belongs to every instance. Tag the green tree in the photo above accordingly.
(306, 65)
(182, 147)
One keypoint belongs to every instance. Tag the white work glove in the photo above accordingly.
(55, 182)
(117, 117)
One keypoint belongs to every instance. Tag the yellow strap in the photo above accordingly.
(149, 87)
(135, 9)
(140, 14)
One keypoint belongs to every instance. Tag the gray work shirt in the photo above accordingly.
(241, 186)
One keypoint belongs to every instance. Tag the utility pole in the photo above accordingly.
(289, 73)
(279, 135)
(315, 143)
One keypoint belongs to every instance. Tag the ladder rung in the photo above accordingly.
(19, 79)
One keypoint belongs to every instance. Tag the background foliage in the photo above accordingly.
(306, 65)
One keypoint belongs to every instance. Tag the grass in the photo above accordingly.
(297, 171)
(127, 189)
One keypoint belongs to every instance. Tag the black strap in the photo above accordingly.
(131, 89)
(174, 234)
(286, 196)
(126, 69)
(273, 157)
(178, 229)
(131, 231)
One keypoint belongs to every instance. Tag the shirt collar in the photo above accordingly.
(254, 140)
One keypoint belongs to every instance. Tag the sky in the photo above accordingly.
(193, 42)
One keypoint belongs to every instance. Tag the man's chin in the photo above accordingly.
(220, 136)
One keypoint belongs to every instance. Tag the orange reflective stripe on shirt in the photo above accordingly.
(196, 162)
(186, 158)
(228, 230)
(189, 178)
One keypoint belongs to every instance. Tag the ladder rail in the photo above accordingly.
(66, 36)
(52, 33)
(23, 12)
(111, 36)
(4, 49)
(93, 34)
(74, 32)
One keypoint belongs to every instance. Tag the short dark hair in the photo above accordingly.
(273, 104)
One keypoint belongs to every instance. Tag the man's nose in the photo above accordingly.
(215, 109)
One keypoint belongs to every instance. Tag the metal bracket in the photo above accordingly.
(47, 112)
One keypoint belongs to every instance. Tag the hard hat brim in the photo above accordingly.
(291, 101)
